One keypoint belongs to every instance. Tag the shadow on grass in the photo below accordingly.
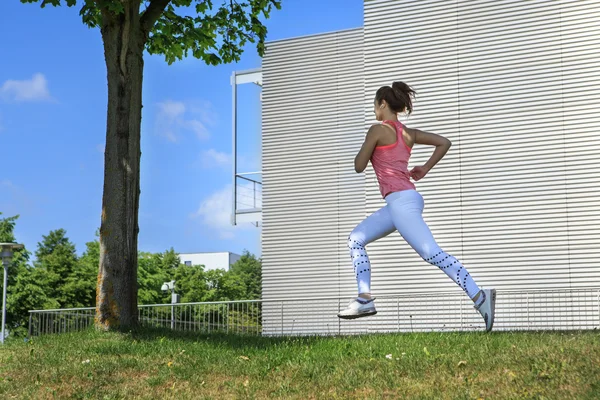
(244, 341)
(223, 338)
(257, 341)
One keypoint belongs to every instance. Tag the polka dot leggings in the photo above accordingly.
(404, 213)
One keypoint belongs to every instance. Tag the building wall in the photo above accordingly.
(312, 121)
(514, 85)
(210, 260)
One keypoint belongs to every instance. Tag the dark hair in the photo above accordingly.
(399, 96)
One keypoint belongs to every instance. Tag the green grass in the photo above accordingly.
(161, 364)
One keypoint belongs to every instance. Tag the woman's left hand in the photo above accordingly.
(418, 173)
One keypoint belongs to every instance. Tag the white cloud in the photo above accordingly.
(100, 148)
(197, 127)
(176, 117)
(215, 211)
(172, 109)
(206, 111)
(34, 89)
(212, 158)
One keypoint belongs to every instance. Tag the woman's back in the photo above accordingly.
(390, 163)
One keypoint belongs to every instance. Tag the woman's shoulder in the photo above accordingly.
(377, 128)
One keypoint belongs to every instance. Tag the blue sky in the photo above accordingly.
(52, 130)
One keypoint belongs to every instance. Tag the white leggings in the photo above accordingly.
(403, 212)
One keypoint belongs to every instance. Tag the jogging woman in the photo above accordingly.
(388, 146)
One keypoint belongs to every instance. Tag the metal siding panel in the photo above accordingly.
(310, 199)
(514, 85)
(581, 123)
(396, 268)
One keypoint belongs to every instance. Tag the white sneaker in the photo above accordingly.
(487, 307)
(358, 308)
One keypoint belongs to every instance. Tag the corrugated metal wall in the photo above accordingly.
(312, 122)
(514, 85)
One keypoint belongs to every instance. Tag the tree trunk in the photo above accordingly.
(116, 293)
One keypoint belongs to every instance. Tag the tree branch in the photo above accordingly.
(152, 14)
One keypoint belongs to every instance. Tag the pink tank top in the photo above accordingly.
(391, 164)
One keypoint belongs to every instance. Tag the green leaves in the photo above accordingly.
(90, 15)
(151, 275)
(55, 3)
(56, 262)
(214, 36)
(203, 6)
(115, 7)
(193, 283)
(7, 226)
(248, 269)
(189, 27)
(80, 285)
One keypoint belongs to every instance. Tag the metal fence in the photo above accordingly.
(240, 317)
(556, 309)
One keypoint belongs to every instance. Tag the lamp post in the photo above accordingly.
(174, 299)
(6, 253)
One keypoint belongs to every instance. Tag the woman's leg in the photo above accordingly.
(375, 226)
(406, 209)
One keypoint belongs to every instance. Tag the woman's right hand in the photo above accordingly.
(418, 173)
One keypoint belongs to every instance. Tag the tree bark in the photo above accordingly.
(116, 293)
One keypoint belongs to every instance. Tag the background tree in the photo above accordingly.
(56, 261)
(190, 283)
(154, 270)
(173, 28)
(248, 269)
(29, 292)
(150, 278)
(7, 228)
(23, 291)
(80, 285)
(223, 286)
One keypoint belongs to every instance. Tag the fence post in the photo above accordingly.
(172, 317)
(282, 318)
(30, 324)
(174, 300)
(461, 314)
(339, 321)
(527, 310)
(398, 311)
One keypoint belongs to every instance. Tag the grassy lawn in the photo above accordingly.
(160, 364)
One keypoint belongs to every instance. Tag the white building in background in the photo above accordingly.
(515, 86)
(211, 261)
